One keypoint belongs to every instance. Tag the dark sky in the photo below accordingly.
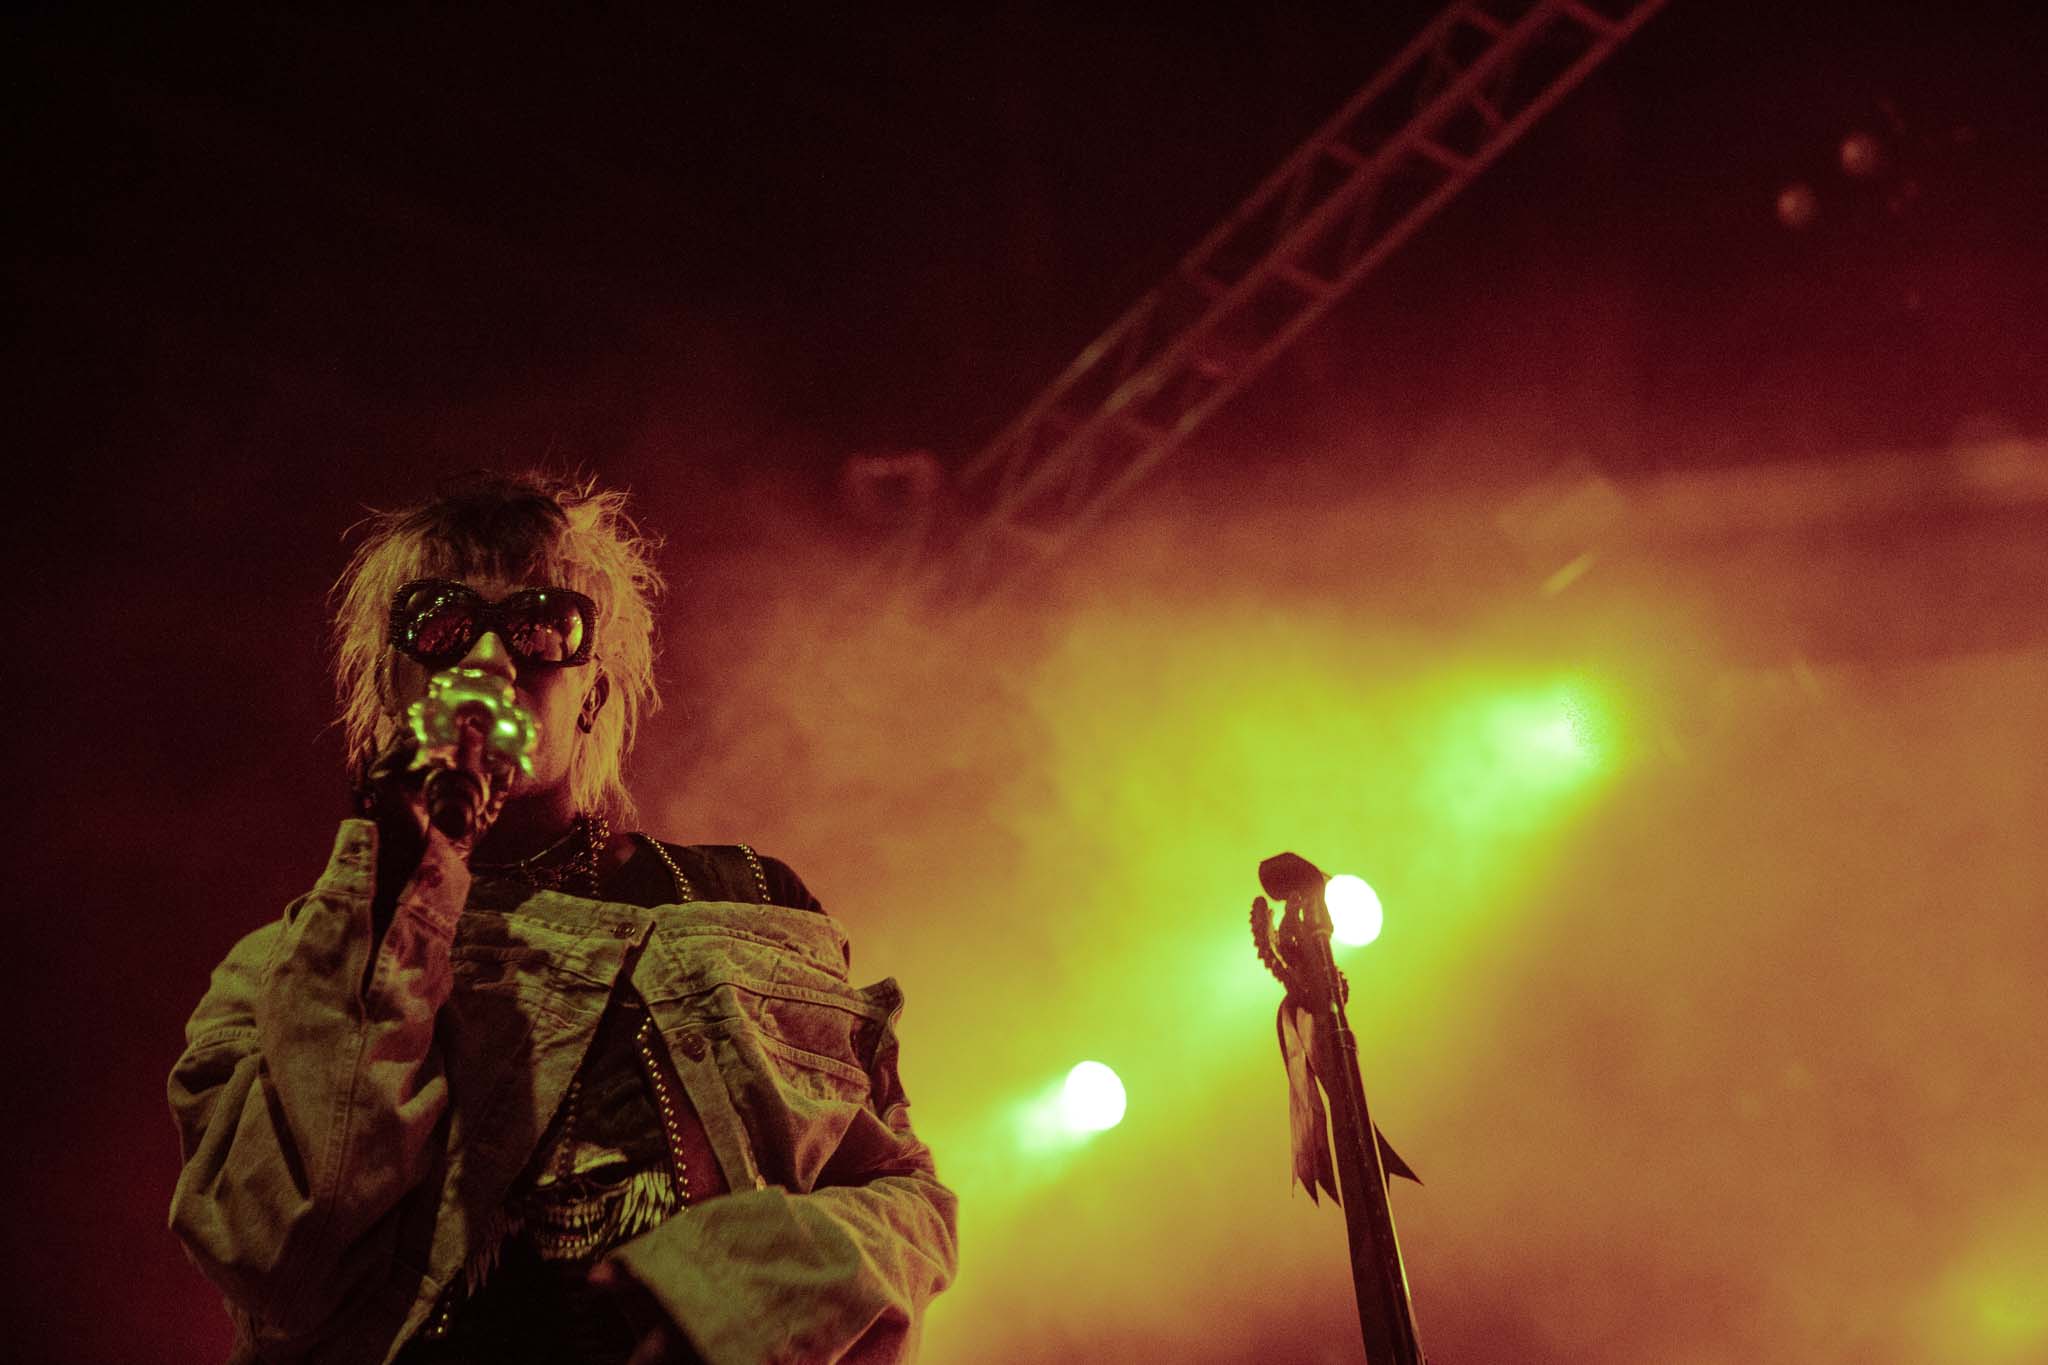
(811, 234)
(268, 265)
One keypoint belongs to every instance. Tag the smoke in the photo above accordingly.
(1706, 1006)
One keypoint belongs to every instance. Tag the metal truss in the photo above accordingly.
(1454, 99)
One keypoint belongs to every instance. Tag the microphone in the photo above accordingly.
(455, 795)
(459, 702)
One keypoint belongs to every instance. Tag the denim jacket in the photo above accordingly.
(354, 1107)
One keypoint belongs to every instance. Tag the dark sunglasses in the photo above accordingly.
(438, 622)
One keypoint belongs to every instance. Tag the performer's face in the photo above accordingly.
(555, 696)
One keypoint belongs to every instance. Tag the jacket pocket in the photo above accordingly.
(814, 1046)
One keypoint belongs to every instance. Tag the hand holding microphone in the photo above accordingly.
(457, 792)
(447, 768)
(471, 734)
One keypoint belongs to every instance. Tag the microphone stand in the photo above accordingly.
(1298, 952)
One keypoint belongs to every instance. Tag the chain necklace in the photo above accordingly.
(570, 863)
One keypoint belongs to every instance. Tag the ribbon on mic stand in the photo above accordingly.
(1321, 1055)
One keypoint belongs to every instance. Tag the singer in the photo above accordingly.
(511, 1084)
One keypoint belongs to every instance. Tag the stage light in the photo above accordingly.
(1798, 206)
(1862, 155)
(1545, 739)
(1559, 740)
(1355, 913)
(1092, 1099)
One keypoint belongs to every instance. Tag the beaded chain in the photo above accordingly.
(684, 891)
(552, 869)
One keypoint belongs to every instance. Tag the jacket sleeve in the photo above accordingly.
(840, 1274)
(310, 1089)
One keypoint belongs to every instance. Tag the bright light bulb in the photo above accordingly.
(1092, 1099)
(1355, 915)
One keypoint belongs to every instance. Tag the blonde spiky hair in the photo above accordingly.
(534, 526)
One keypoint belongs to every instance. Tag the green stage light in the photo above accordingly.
(1092, 1099)
(1545, 740)
(1355, 913)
